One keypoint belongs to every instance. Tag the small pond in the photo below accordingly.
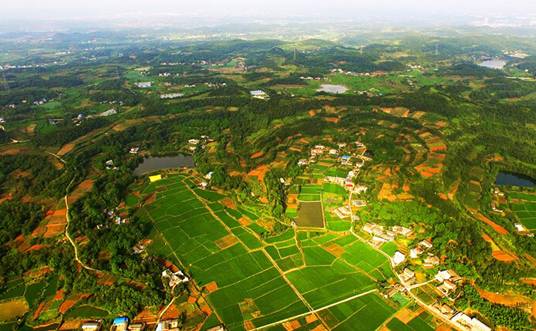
(511, 179)
(155, 163)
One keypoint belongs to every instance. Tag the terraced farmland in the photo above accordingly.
(255, 282)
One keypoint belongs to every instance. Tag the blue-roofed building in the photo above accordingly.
(120, 320)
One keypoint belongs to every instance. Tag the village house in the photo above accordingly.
(445, 309)
(378, 241)
(144, 84)
(333, 152)
(136, 327)
(402, 231)
(259, 94)
(431, 261)
(407, 276)
(335, 180)
(472, 324)
(343, 212)
(346, 160)
(426, 244)
(359, 203)
(302, 162)
(119, 324)
(415, 252)
(358, 189)
(91, 326)
(171, 95)
(134, 150)
(175, 278)
(398, 258)
(169, 325)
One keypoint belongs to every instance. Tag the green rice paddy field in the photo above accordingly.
(524, 207)
(261, 282)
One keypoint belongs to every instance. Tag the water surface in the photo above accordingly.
(154, 163)
(511, 179)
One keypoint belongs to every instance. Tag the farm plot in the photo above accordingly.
(524, 207)
(310, 214)
(364, 313)
(258, 282)
(250, 289)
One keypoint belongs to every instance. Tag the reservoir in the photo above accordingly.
(333, 89)
(493, 64)
(511, 179)
(154, 163)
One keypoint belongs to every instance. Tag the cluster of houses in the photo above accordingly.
(114, 216)
(174, 278)
(423, 246)
(202, 141)
(118, 324)
(448, 280)
(472, 323)
(380, 235)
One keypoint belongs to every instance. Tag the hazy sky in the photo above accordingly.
(60, 9)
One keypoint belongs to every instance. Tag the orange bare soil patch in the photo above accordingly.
(171, 266)
(229, 203)
(292, 201)
(529, 281)
(437, 148)
(105, 279)
(386, 192)
(150, 199)
(60, 294)
(205, 309)
(192, 299)
(503, 256)
(80, 190)
(211, 287)
(335, 250)
(55, 226)
(441, 124)
(69, 303)
(36, 248)
(406, 187)
(397, 111)
(65, 149)
(172, 312)
(499, 229)
(226, 241)
(259, 172)
(248, 325)
(38, 273)
(320, 327)
(257, 155)
(311, 318)
(263, 200)
(292, 325)
(311, 113)
(13, 151)
(244, 221)
(405, 315)
(71, 325)
(146, 316)
(454, 189)
(510, 300)
(497, 253)
(443, 196)
(443, 327)
(38, 311)
(332, 119)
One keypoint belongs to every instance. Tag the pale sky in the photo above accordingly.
(72, 9)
